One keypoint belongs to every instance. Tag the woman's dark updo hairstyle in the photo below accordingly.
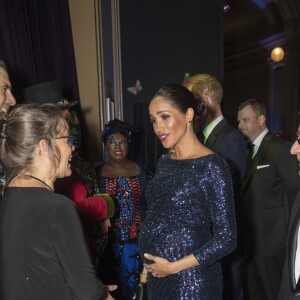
(117, 126)
(21, 131)
(182, 99)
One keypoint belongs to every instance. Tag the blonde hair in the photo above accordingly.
(205, 84)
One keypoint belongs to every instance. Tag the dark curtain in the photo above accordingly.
(37, 46)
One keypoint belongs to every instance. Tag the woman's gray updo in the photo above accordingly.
(22, 130)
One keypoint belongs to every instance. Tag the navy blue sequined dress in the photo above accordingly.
(189, 211)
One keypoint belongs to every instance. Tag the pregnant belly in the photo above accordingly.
(171, 242)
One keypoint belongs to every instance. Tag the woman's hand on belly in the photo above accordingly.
(161, 267)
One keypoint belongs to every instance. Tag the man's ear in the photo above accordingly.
(205, 99)
(261, 119)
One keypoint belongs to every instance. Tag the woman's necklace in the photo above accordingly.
(40, 180)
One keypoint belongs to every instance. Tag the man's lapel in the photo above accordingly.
(263, 148)
(291, 253)
(258, 158)
(215, 132)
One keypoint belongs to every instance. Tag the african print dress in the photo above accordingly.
(121, 262)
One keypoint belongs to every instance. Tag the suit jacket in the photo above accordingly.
(289, 289)
(269, 189)
(228, 142)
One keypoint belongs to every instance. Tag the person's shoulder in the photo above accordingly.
(216, 161)
(226, 134)
(98, 168)
(44, 197)
(60, 205)
(278, 150)
(57, 199)
(232, 131)
(162, 160)
(165, 157)
(49, 198)
(216, 158)
(278, 141)
(277, 144)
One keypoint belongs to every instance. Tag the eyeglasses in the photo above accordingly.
(113, 142)
(5, 89)
(298, 137)
(69, 138)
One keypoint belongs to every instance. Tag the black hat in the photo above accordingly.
(47, 92)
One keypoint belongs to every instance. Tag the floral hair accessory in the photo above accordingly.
(115, 126)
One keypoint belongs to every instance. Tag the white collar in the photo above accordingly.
(259, 139)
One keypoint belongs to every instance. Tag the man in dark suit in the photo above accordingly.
(269, 189)
(228, 142)
(290, 284)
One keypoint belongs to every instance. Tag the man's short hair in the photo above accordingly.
(258, 107)
(205, 84)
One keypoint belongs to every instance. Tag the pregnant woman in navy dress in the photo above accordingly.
(190, 221)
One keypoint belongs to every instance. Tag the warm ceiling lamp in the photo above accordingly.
(277, 54)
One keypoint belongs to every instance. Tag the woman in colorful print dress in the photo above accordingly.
(125, 181)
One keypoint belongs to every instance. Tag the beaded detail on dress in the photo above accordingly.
(127, 217)
(87, 173)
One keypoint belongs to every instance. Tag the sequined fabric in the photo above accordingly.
(88, 176)
(189, 211)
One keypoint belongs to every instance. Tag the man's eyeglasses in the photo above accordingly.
(69, 138)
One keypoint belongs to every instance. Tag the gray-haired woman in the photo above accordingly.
(43, 254)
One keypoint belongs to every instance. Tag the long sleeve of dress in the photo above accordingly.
(220, 194)
(69, 244)
(92, 209)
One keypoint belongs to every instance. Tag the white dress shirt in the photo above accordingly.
(256, 143)
(297, 258)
